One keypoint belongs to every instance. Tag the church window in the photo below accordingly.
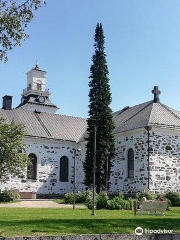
(64, 169)
(168, 148)
(39, 85)
(130, 163)
(32, 168)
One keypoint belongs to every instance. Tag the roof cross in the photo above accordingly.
(156, 93)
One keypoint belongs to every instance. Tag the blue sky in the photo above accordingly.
(142, 47)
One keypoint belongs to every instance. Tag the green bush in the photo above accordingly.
(121, 195)
(101, 200)
(174, 197)
(146, 194)
(126, 204)
(68, 198)
(142, 194)
(79, 197)
(87, 194)
(9, 196)
(89, 203)
(114, 204)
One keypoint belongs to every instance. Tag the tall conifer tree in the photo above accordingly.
(100, 99)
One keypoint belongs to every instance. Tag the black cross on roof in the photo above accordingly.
(156, 93)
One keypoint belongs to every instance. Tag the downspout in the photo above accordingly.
(148, 128)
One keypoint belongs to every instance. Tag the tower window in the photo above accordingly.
(32, 168)
(130, 163)
(39, 86)
(64, 169)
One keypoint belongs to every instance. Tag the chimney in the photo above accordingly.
(7, 102)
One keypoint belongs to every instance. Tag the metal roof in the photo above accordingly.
(55, 126)
(146, 114)
(47, 125)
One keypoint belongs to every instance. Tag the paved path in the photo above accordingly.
(38, 204)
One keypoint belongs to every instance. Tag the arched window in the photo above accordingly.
(32, 168)
(64, 169)
(130, 163)
(39, 85)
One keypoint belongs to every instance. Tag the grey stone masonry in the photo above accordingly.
(164, 160)
(102, 237)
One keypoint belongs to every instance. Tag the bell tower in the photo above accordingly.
(35, 96)
(36, 80)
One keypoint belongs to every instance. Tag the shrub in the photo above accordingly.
(142, 194)
(101, 200)
(79, 197)
(174, 197)
(126, 204)
(146, 194)
(121, 195)
(89, 203)
(113, 204)
(68, 198)
(9, 196)
(87, 195)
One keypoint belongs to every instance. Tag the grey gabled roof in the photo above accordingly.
(146, 114)
(47, 125)
(55, 126)
(133, 117)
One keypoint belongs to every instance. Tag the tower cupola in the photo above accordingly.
(35, 96)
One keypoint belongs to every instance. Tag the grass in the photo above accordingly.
(10, 202)
(61, 201)
(59, 221)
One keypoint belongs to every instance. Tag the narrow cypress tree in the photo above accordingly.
(100, 99)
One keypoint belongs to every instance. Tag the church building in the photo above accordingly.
(147, 153)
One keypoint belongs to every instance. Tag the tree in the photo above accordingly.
(13, 159)
(14, 18)
(99, 107)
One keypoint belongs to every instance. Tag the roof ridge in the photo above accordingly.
(133, 106)
(56, 114)
(139, 111)
(42, 124)
(169, 110)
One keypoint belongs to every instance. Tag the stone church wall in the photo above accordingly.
(164, 160)
(48, 167)
(164, 164)
(137, 140)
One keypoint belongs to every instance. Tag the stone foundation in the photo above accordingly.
(102, 237)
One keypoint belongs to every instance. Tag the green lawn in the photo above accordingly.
(26, 222)
(10, 202)
(61, 201)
